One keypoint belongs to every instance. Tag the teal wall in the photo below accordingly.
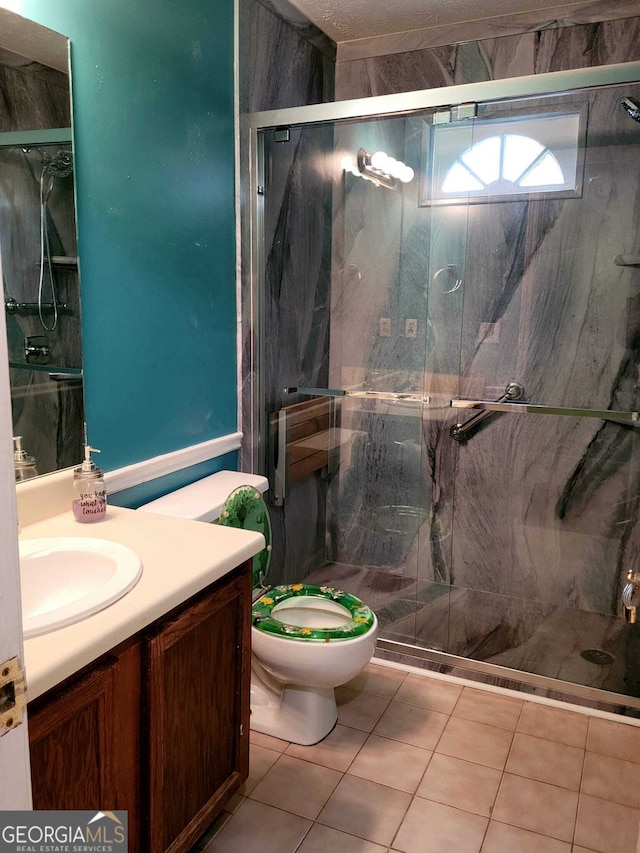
(154, 144)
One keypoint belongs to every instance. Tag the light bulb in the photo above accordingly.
(379, 161)
(392, 167)
(406, 174)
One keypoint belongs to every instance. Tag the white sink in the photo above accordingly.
(65, 579)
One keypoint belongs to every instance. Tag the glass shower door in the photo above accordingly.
(377, 499)
(546, 505)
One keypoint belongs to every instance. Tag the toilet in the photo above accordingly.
(306, 640)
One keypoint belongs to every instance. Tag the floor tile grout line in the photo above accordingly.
(535, 832)
(357, 753)
(486, 830)
(503, 773)
(404, 816)
(584, 761)
(304, 837)
(344, 832)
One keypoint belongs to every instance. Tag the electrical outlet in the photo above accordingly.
(385, 327)
(411, 328)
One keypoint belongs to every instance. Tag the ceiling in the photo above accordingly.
(347, 20)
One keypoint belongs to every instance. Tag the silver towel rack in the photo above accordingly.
(535, 409)
(389, 396)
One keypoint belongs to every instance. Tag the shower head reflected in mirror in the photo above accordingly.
(53, 166)
(60, 165)
(631, 107)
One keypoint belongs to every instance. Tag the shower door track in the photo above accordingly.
(570, 688)
(402, 103)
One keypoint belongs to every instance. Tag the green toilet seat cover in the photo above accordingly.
(362, 618)
(244, 508)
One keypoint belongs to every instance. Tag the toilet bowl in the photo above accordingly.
(306, 640)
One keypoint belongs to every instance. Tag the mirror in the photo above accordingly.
(38, 248)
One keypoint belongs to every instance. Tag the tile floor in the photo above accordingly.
(419, 764)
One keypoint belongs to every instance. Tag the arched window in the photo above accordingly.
(504, 162)
(495, 159)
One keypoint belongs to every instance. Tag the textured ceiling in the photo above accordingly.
(345, 20)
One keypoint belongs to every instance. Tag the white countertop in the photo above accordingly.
(179, 558)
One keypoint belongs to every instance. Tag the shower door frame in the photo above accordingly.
(387, 106)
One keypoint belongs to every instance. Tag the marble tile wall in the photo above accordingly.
(33, 96)
(286, 65)
(47, 413)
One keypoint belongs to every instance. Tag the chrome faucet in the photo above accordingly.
(631, 596)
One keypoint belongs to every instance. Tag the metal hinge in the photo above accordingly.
(282, 134)
(12, 695)
(457, 113)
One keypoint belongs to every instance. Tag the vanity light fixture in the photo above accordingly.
(383, 170)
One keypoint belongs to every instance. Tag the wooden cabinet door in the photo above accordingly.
(197, 709)
(84, 741)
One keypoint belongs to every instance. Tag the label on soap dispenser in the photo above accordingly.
(91, 505)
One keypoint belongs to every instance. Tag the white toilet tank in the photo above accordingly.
(203, 500)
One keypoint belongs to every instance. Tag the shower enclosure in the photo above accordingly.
(444, 373)
(41, 296)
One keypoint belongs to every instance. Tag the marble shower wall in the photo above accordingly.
(47, 413)
(285, 66)
(296, 321)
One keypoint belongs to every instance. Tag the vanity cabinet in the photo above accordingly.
(159, 726)
(83, 738)
(197, 680)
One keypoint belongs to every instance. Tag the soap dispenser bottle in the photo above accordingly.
(24, 466)
(89, 491)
